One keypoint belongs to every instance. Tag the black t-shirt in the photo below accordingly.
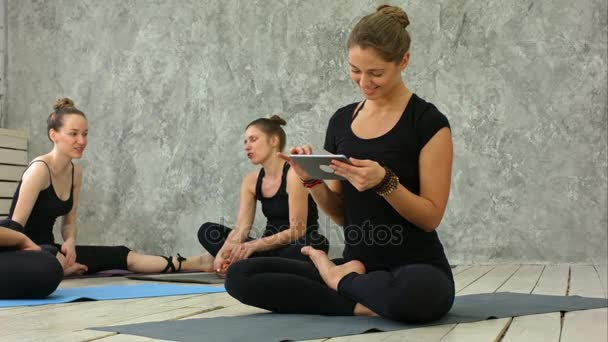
(374, 232)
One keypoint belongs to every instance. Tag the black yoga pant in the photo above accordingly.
(101, 258)
(28, 274)
(212, 236)
(412, 293)
(96, 258)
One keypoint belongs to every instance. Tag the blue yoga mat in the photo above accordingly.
(113, 292)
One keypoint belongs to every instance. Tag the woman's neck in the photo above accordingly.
(395, 99)
(58, 161)
(273, 166)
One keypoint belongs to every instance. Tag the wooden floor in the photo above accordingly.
(68, 322)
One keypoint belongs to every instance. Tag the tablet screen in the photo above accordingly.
(317, 165)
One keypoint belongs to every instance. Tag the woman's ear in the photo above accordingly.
(52, 135)
(274, 141)
(405, 61)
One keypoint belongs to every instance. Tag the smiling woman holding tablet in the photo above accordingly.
(391, 201)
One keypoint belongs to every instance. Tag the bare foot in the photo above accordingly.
(201, 263)
(330, 272)
(361, 310)
(75, 269)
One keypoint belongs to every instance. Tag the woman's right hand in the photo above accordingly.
(222, 260)
(302, 149)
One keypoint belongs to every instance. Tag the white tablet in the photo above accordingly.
(317, 165)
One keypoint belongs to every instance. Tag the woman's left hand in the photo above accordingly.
(27, 244)
(242, 251)
(69, 250)
(362, 174)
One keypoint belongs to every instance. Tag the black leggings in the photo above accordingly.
(96, 258)
(101, 258)
(213, 235)
(412, 293)
(28, 274)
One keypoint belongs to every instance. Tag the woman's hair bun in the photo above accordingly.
(396, 13)
(63, 103)
(278, 119)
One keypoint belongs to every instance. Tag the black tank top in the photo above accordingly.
(48, 206)
(276, 208)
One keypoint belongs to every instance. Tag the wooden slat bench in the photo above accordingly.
(13, 160)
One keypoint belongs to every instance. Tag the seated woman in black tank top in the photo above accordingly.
(390, 204)
(50, 187)
(291, 213)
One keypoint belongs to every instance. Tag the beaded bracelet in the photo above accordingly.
(389, 183)
(309, 183)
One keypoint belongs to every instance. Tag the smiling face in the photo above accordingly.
(71, 138)
(259, 146)
(374, 76)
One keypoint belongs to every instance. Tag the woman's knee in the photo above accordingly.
(237, 276)
(209, 233)
(419, 309)
(52, 274)
(41, 275)
(426, 297)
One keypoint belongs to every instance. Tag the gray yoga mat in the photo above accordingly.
(281, 327)
(198, 277)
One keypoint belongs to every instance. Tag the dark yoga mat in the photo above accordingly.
(198, 277)
(281, 327)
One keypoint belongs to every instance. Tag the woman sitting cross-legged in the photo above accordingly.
(291, 213)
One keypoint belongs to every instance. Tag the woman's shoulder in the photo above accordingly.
(426, 111)
(250, 180)
(77, 173)
(39, 164)
(37, 172)
(427, 120)
(344, 113)
(252, 176)
(348, 108)
(43, 159)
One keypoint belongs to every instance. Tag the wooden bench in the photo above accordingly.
(13, 161)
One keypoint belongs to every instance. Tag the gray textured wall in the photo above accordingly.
(169, 85)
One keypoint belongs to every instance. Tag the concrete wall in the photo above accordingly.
(169, 85)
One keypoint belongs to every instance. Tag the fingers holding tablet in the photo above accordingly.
(317, 165)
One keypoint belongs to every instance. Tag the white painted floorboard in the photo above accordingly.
(69, 322)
